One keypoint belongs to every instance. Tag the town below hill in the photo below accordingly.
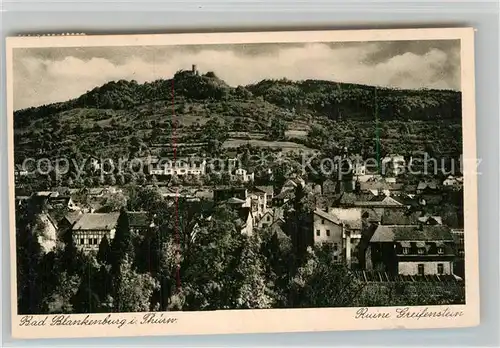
(251, 197)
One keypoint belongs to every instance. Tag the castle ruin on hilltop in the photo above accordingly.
(194, 70)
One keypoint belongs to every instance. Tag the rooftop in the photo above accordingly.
(269, 190)
(349, 216)
(379, 201)
(385, 233)
(399, 217)
(73, 217)
(97, 221)
(326, 216)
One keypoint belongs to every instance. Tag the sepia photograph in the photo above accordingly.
(168, 177)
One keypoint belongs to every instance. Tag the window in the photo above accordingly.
(95, 241)
(440, 268)
(82, 241)
(322, 221)
(420, 251)
(328, 233)
(268, 218)
(440, 250)
(335, 258)
(420, 269)
(318, 233)
(406, 250)
(335, 246)
(264, 225)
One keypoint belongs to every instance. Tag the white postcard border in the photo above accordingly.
(271, 320)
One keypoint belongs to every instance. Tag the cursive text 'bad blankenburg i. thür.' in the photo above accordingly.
(91, 320)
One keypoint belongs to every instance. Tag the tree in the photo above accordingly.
(174, 180)
(318, 136)
(114, 202)
(279, 260)
(121, 246)
(277, 129)
(133, 290)
(321, 282)
(298, 221)
(111, 180)
(141, 179)
(120, 179)
(86, 299)
(60, 300)
(29, 256)
(207, 269)
(154, 180)
(253, 290)
(104, 253)
(69, 182)
(144, 198)
(215, 178)
(215, 133)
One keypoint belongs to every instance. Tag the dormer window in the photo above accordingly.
(420, 251)
(440, 250)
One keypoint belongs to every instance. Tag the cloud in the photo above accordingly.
(46, 76)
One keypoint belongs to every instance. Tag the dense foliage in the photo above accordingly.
(125, 119)
(188, 262)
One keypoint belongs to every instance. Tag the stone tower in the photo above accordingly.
(194, 70)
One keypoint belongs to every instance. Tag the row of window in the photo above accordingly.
(89, 241)
(318, 233)
(421, 251)
(183, 165)
(421, 268)
(183, 171)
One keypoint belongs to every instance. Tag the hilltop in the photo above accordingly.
(122, 117)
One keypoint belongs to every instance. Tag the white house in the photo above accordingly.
(91, 228)
(180, 167)
(328, 229)
(351, 219)
(243, 175)
(258, 203)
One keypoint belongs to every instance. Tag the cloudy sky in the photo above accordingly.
(46, 75)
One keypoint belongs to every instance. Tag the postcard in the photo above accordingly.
(258, 182)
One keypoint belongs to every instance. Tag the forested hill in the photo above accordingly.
(122, 117)
(360, 102)
(331, 99)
